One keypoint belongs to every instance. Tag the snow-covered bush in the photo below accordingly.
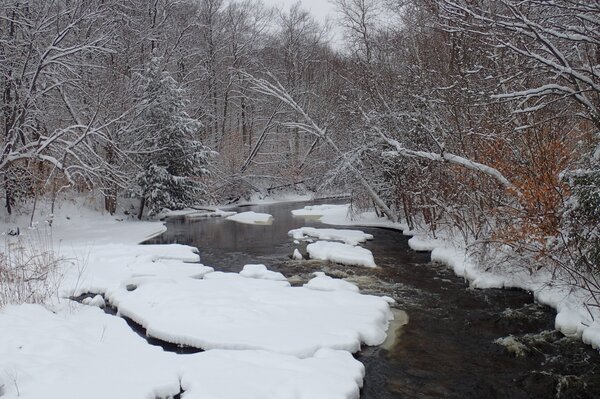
(28, 270)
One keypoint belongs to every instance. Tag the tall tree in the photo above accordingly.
(173, 163)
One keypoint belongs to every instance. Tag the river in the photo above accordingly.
(444, 341)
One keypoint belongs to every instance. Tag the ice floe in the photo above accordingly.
(351, 237)
(261, 272)
(341, 253)
(228, 311)
(251, 217)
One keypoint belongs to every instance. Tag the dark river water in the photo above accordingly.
(447, 348)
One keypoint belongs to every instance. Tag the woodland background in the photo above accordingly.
(478, 120)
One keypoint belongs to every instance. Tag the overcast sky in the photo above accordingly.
(321, 9)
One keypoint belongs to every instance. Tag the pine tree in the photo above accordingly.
(583, 213)
(172, 161)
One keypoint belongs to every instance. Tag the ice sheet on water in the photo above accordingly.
(251, 217)
(261, 272)
(351, 237)
(323, 282)
(228, 311)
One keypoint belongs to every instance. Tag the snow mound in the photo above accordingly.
(234, 312)
(97, 301)
(251, 217)
(341, 253)
(322, 282)
(84, 353)
(351, 237)
(297, 255)
(421, 244)
(261, 272)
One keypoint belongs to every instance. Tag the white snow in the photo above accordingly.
(261, 272)
(103, 268)
(193, 214)
(322, 282)
(251, 217)
(572, 316)
(228, 311)
(97, 301)
(341, 253)
(297, 255)
(341, 215)
(320, 210)
(351, 237)
(84, 353)
(296, 340)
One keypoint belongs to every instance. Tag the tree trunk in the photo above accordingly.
(142, 206)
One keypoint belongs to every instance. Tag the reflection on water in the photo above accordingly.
(447, 348)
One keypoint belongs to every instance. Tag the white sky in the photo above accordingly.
(321, 9)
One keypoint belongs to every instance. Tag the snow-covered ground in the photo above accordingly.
(574, 317)
(80, 352)
(296, 340)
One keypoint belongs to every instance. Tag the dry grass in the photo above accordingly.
(28, 269)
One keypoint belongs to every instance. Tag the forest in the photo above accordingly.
(476, 119)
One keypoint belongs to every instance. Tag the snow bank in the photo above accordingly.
(228, 311)
(341, 215)
(341, 253)
(572, 317)
(351, 237)
(85, 353)
(104, 268)
(421, 244)
(252, 217)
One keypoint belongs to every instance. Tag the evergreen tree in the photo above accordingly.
(583, 214)
(172, 161)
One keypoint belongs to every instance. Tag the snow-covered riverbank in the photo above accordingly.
(574, 317)
(296, 341)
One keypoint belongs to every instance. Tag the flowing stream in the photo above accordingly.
(442, 344)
